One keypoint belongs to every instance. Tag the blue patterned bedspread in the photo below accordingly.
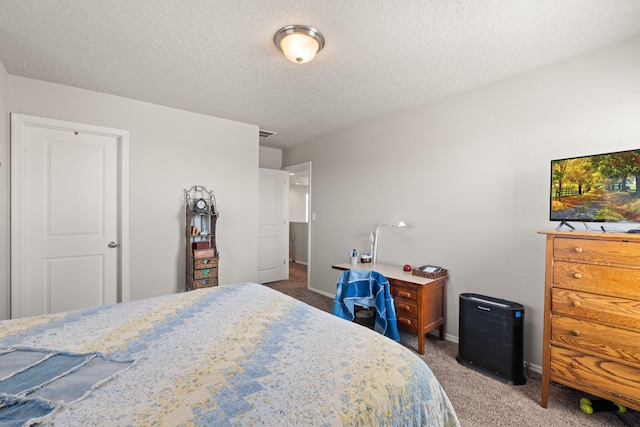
(236, 355)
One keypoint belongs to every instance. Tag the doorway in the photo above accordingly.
(69, 215)
(300, 218)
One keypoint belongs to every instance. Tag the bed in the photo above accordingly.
(230, 355)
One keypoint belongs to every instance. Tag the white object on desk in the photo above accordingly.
(390, 223)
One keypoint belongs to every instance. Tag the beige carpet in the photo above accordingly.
(479, 400)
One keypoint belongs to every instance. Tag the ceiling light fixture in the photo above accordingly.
(299, 43)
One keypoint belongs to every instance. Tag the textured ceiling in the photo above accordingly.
(218, 57)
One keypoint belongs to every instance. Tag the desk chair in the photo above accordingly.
(368, 289)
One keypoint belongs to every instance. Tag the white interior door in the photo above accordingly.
(67, 237)
(273, 226)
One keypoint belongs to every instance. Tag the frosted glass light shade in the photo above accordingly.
(299, 48)
(299, 43)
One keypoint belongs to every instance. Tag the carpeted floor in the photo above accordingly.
(479, 400)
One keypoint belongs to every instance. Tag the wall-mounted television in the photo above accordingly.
(597, 188)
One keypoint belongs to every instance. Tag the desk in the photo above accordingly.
(419, 301)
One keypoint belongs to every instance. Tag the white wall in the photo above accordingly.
(470, 175)
(4, 196)
(270, 158)
(298, 195)
(170, 150)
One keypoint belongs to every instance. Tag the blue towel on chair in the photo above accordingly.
(369, 289)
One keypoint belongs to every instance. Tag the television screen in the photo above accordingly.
(601, 187)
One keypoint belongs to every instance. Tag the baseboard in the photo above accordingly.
(321, 292)
(534, 368)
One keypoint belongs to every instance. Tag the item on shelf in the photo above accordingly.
(365, 258)
(200, 206)
(200, 245)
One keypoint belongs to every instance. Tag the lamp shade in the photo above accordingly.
(299, 43)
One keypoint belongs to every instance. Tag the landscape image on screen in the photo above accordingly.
(602, 187)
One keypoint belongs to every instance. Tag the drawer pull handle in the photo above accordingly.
(206, 261)
(404, 307)
(404, 294)
(207, 271)
(577, 249)
(574, 365)
(405, 321)
(575, 333)
(205, 281)
(577, 276)
(576, 304)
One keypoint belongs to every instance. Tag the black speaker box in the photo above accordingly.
(491, 337)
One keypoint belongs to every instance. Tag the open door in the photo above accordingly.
(273, 226)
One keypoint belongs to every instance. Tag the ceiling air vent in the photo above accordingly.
(266, 133)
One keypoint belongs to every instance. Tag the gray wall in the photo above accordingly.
(470, 175)
(300, 231)
(270, 158)
(170, 150)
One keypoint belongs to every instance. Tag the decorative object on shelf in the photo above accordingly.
(200, 206)
(200, 245)
(201, 216)
(389, 223)
(299, 43)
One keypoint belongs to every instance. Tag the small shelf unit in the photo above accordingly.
(201, 249)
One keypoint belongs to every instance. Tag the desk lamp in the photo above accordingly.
(390, 223)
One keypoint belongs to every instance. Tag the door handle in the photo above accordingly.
(113, 244)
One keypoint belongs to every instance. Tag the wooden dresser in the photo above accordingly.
(591, 336)
(419, 301)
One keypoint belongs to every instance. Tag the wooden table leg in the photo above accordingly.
(421, 342)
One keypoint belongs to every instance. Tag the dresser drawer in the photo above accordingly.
(604, 309)
(407, 323)
(205, 263)
(204, 253)
(204, 283)
(596, 251)
(585, 335)
(586, 372)
(406, 307)
(207, 273)
(597, 278)
(404, 290)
